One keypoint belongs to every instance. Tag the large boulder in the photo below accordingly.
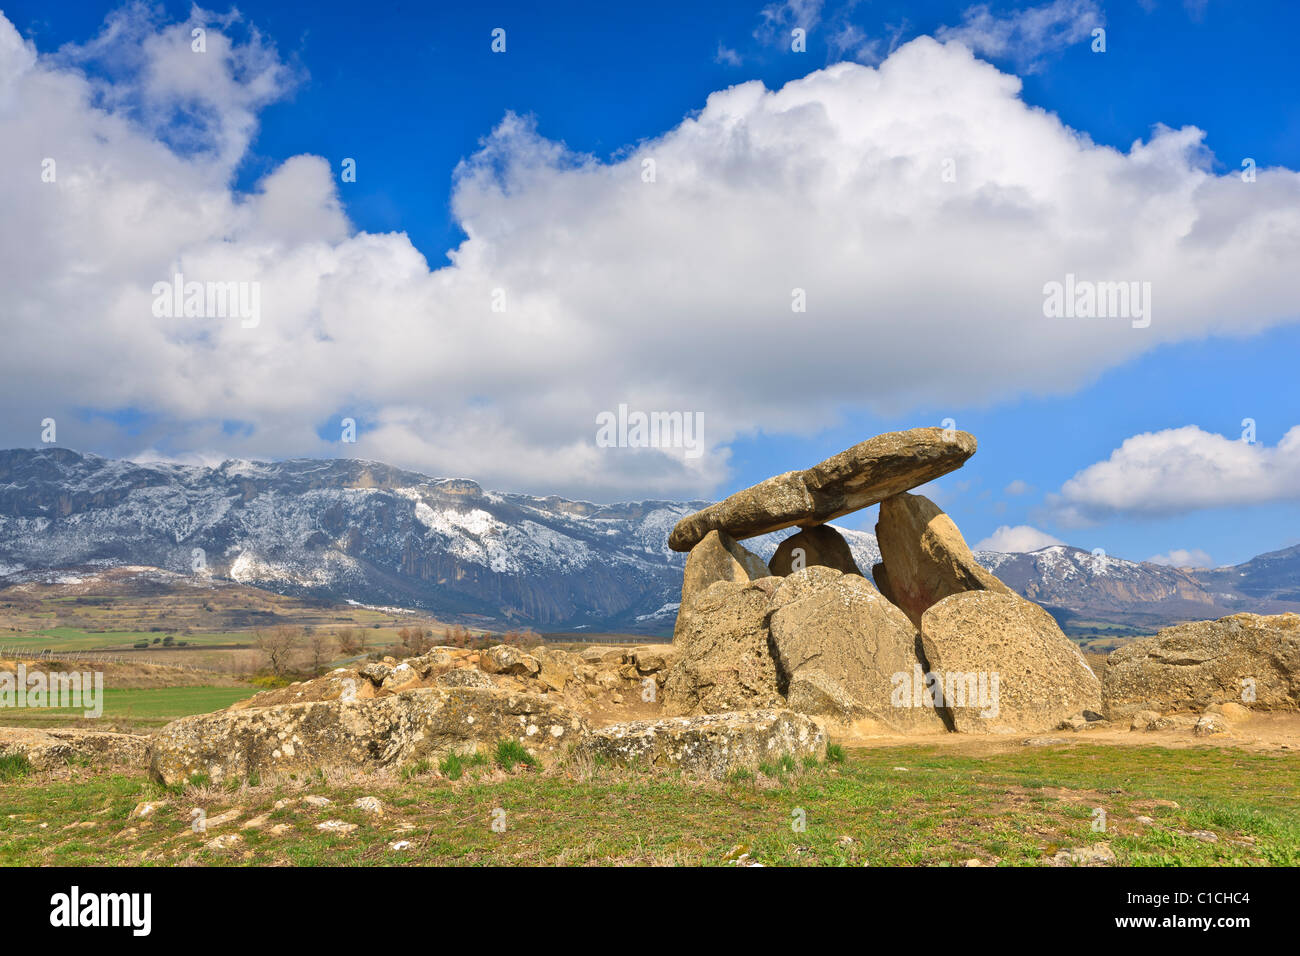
(1190, 666)
(925, 557)
(839, 646)
(367, 734)
(722, 660)
(712, 745)
(868, 472)
(821, 546)
(1004, 664)
(718, 557)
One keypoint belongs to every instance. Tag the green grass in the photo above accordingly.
(78, 639)
(142, 707)
(511, 753)
(1014, 808)
(14, 766)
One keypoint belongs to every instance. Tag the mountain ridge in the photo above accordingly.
(350, 529)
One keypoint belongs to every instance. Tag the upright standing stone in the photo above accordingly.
(925, 557)
(821, 546)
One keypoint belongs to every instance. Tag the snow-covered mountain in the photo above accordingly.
(355, 530)
(363, 531)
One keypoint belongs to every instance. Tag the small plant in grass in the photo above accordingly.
(13, 766)
(512, 752)
(417, 769)
(452, 767)
(810, 762)
(741, 775)
(768, 769)
(787, 765)
(834, 753)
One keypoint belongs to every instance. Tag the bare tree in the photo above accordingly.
(277, 646)
(351, 642)
(319, 645)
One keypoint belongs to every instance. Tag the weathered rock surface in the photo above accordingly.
(972, 638)
(712, 745)
(856, 478)
(1190, 666)
(821, 546)
(925, 557)
(718, 557)
(723, 660)
(364, 733)
(838, 644)
(47, 749)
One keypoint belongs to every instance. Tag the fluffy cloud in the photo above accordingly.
(1182, 558)
(1179, 470)
(670, 295)
(1020, 538)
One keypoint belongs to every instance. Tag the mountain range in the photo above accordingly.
(370, 533)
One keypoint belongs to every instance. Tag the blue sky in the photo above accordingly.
(410, 95)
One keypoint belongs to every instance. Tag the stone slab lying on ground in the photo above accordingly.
(385, 732)
(713, 745)
(47, 749)
(1244, 658)
(856, 478)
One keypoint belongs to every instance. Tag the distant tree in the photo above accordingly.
(351, 642)
(319, 646)
(414, 641)
(277, 646)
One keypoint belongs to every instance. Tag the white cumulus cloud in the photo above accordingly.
(1182, 558)
(667, 295)
(1020, 538)
(1179, 470)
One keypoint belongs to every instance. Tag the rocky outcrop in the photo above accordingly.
(821, 546)
(925, 557)
(1004, 665)
(48, 749)
(711, 746)
(856, 478)
(723, 660)
(1245, 658)
(386, 732)
(839, 646)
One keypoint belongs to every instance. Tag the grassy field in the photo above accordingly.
(889, 806)
(79, 639)
(137, 709)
